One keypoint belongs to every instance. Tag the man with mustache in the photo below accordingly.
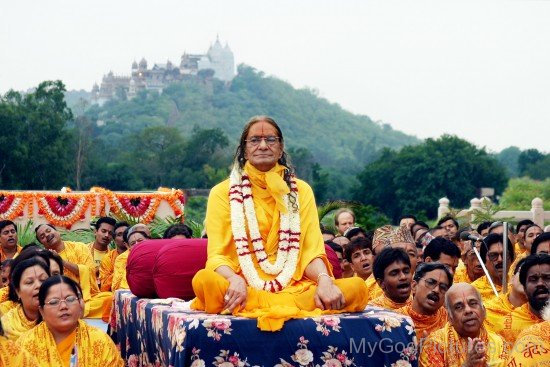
(8, 240)
(77, 265)
(499, 309)
(491, 252)
(392, 271)
(430, 283)
(532, 347)
(463, 341)
(535, 278)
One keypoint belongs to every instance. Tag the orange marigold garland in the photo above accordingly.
(12, 204)
(64, 210)
(177, 202)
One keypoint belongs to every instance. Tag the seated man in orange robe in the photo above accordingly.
(8, 240)
(266, 257)
(107, 266)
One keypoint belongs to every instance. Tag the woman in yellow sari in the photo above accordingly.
(26, 278)
(62, 339)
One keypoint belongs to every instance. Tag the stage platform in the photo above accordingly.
(160, 332)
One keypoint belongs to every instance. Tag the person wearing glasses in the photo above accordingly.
(62, 338)
(491, 252)
(430, 283)
(265, 248)
(26, 278)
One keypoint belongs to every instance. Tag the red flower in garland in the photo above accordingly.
(12, 204)
(136, 207)
(5, 202)
(61, 206)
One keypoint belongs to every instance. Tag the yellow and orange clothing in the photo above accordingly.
(386, 302)
(4, 293)
(106, 271)
(119, 272)
(271, 309)
(484, 288)
(6, 306)
(94, 348)
(532, 347)
(444, 347)
(3, 255)
(521, 255)
(97, 255)
(15, 323)
(79, 254)
(518, 249)
(373, 288)
(425, 324)
(500, 318)
(13, 355)
(461, 275)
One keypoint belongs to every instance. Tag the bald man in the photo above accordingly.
(463, 341)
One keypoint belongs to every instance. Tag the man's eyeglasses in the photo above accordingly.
(493, 256)
(69, 300)
(432, 283)
(257, 140)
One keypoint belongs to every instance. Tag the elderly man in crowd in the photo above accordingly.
(430, 284)
(463, 341)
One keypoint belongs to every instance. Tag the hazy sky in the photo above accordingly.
(477, 69)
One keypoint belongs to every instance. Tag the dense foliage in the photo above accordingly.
(415, 178)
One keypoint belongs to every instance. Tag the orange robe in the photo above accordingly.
(373, 288)
(425, 324)
(532, 347)
(15, 323)
(297, 298)
(484, 287)
(106, 270)
(12, 355)
(3, 255)
(94, 347)
(502, 320)
(384, 301)
(461, 275)
(119, 273)
(95, 300)
(445, 348)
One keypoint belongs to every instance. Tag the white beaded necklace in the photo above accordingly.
(242, 205)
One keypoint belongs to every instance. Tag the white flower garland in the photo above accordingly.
(242, 205)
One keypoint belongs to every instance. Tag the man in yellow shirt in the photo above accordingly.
(107, 267)
(392, 271)
(132, 236)
(463, 341)
(491, 253)
(430, 284)
(531, 233)
(8, 240)
(266, 256)
(77, 265)
(99, 248)
(522, 225)
(472, 269)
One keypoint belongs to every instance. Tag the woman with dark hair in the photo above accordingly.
(26, 278)
(62, 339)
(265, 248)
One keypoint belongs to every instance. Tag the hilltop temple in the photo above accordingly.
(219, 59)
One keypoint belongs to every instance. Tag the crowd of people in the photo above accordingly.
(476, 295)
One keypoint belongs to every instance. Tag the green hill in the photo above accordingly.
(316, 131)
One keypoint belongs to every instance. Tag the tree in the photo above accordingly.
(527, 158)
(413, 179)
(539, 170)
(36, 143)
(508, 158)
